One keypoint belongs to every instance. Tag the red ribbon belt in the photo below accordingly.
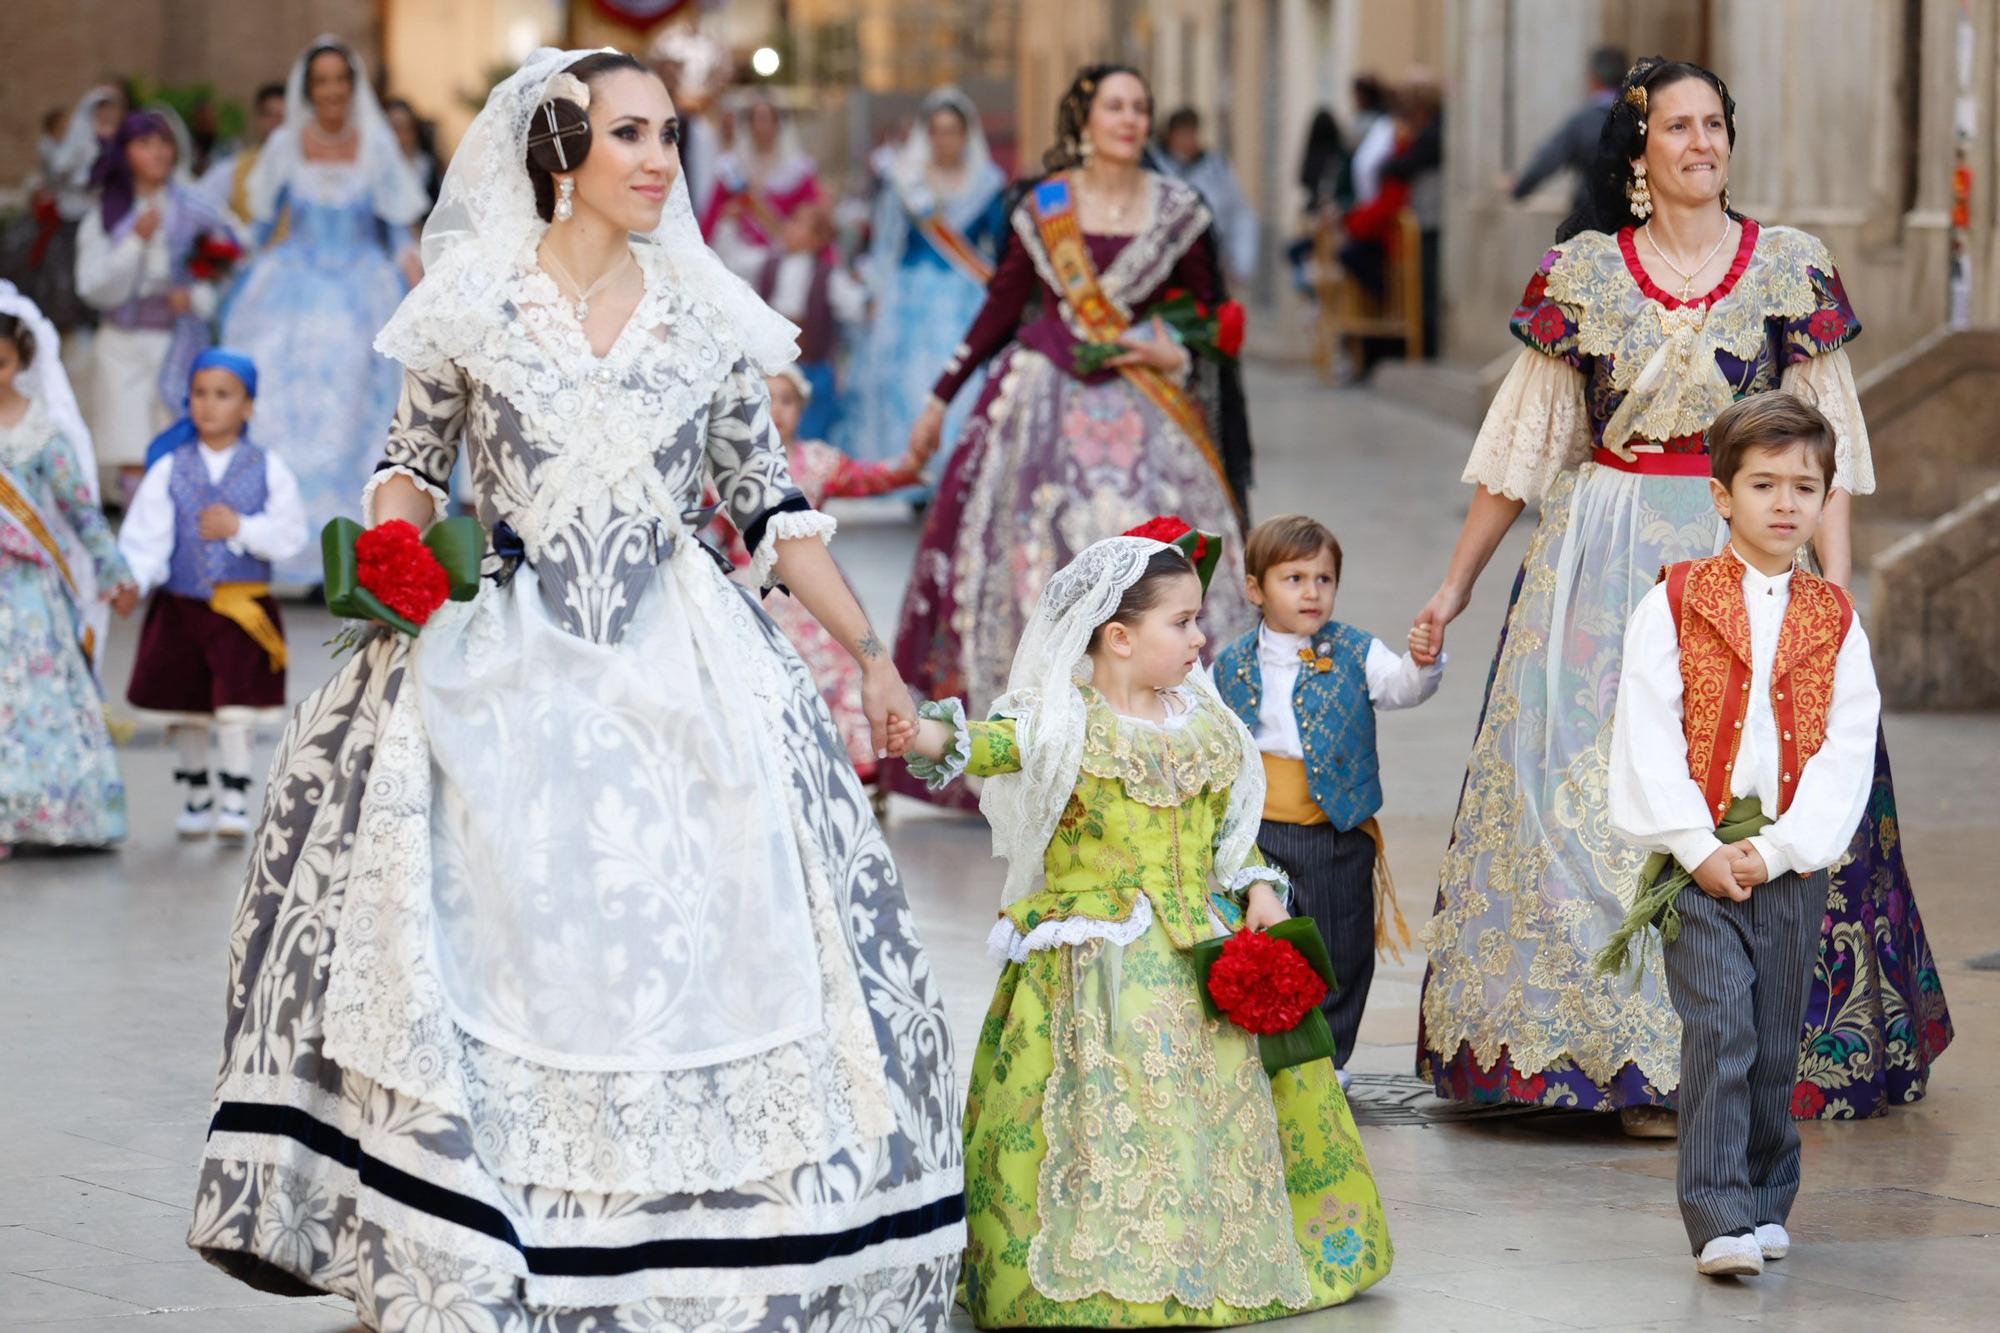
(1652, 464)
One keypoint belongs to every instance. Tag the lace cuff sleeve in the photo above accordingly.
(1536, 427)
(940, 773)
(422, 483)
(1827, 382)
(1238, 887)
(785, 525)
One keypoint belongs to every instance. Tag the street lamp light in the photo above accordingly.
(764, 60)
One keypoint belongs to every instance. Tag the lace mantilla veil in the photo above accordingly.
(1050, 717)
(485, 218)
(395, 192)
(46, 382)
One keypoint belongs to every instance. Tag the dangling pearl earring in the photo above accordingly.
(565, 191)
(1086, 149)
(1639, 193)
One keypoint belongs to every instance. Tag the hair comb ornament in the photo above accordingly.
(568, 87)
(1635, 97)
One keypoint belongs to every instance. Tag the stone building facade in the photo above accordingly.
(54, 50)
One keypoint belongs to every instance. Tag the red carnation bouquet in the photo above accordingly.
(393, 563)
(1215, 332)
(1271, 983)
(216, 254)
(396, 575)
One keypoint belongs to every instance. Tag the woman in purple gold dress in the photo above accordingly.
(1656, 308)
(1051, 460)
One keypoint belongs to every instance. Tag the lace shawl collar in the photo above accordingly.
(1179, 218)
(1662, 359)
(1162, 766)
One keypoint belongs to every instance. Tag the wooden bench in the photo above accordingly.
(1348, 313)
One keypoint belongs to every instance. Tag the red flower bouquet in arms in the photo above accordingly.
(1271, 983)
(1214, 332)
(395, 565)
(216, 254)
(394, 574)
(1264, 985)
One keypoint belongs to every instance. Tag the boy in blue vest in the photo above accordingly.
(1308, 687)
(212, 514)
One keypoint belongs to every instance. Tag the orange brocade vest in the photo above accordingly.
(1706, 597)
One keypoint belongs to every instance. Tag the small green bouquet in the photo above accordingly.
(1215, 332)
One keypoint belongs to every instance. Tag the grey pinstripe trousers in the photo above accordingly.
(1333, 882)
(1738, 976)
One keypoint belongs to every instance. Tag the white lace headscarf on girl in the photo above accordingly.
(485, 217)
(395, 193)
(47, 383)
(1050, 717)
(912, 166)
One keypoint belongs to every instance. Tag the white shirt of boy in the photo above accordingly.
(1655, 801)
(1393, 682)
(147, 538)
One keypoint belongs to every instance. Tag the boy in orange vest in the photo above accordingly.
(1741, 755)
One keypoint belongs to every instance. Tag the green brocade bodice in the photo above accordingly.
(1148, 806)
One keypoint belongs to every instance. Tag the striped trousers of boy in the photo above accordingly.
(1333, 882)
(1738, 976)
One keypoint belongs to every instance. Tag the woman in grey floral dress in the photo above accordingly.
(574, 987)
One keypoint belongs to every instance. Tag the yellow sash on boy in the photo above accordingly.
(238, 602)
(1069, 254)
(1288, 800)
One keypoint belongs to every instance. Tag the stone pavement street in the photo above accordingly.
(111, 979)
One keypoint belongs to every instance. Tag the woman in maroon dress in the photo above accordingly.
(1053, 460)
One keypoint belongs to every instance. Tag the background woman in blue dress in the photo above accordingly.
(940, 222)
(334, 200)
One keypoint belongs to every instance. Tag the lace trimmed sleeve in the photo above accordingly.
(1537, 426)
(424, 438)
(1827, 382)
(747, 466)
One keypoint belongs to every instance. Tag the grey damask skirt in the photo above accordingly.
(458, 1209)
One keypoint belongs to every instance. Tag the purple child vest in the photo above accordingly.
(197, 566)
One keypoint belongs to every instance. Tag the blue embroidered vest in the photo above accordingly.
(1335, 718)
(197, 566)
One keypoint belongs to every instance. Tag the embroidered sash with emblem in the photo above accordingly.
(1101, 321)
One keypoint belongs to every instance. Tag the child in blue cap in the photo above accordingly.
(212, 514)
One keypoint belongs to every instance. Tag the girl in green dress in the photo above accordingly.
(1128, 1161)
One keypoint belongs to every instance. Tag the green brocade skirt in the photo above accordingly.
(1129, 1164)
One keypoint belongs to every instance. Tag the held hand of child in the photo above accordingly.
(219, 523)
(1420, 645)
(902, 734)
(180, 300)
(1748, 866)
(1264, 910)
(1716, 876)
(124, 600)
(927, 432)
(148, 224)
